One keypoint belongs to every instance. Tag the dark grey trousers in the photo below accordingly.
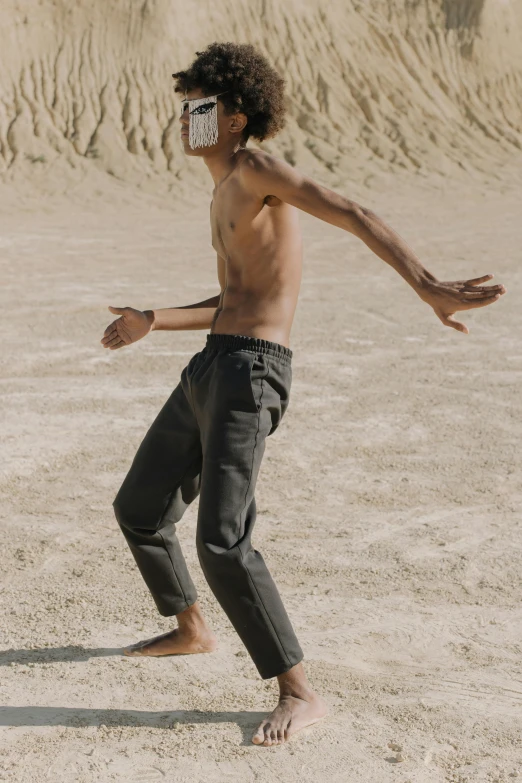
(209, 439)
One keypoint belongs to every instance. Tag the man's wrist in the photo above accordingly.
(151, 318)
(424, 283)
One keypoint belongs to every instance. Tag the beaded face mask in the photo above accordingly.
(203, 125)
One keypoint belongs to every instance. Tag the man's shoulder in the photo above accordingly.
(258, 160)
(256, 168)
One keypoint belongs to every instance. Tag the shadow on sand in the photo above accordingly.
(80, 716)
(56, 654)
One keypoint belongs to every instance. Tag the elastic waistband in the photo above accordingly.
(240, 342)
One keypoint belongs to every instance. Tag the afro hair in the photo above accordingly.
(252, 86)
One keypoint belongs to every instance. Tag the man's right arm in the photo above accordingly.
(194, 316)
(134, 324)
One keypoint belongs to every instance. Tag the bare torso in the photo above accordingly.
(259, 249)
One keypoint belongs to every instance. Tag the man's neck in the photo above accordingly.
(221, 164)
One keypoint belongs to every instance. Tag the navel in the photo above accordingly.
(232, 226)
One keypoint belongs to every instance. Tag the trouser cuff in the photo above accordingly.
(171, 608)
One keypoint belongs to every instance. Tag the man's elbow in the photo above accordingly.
(364, 212)
(359, 217)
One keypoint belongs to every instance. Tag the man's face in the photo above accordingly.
(194, 117)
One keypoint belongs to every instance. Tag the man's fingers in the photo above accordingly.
(109, 335)
(477, 280)
(480, 302)
(492, 289)
(111, 327)
(460, 327)
(449, 320)
(117, 345)
(474, 294)
(111, 343)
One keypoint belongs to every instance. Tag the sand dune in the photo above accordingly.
(431, 86)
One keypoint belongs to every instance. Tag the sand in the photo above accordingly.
(389, 498)
(389, 507)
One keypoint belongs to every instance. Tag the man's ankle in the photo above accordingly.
(191, 618)
(294, 683)
(301, 692)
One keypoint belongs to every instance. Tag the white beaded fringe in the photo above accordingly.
(203, 128)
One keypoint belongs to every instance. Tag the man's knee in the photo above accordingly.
(122, 506)
(217, 559)
(143, 509)
(135, 508)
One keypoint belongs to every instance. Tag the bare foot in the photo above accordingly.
(173, 643)
(192, 636)
(291, 714)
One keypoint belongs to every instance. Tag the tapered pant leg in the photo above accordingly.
(163, 480)
(240, 401)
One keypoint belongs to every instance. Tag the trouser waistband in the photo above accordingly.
(240, 342)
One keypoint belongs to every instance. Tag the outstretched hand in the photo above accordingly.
(447, 298)
(131, 327)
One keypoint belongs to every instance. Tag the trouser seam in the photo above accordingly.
(173, 569)
(180, 482)
(265, 610)
(260, 599)
(241, 520)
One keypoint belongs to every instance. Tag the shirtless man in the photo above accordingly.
(209, 437)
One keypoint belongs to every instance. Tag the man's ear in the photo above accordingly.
(237, 122)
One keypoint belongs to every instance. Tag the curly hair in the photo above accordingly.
(253, 86)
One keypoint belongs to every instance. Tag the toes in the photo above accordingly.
(129, 651)
(271, 738)
(269, 732)
(267, 736)
(259, 736)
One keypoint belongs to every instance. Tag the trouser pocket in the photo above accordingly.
(258, 374)
(271, 380)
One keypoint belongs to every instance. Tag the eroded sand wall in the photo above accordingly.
(412, 84)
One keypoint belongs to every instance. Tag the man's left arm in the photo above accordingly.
(267, 175)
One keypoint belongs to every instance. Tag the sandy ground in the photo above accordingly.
(389, 504)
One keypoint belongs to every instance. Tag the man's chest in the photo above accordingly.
(236, 217)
